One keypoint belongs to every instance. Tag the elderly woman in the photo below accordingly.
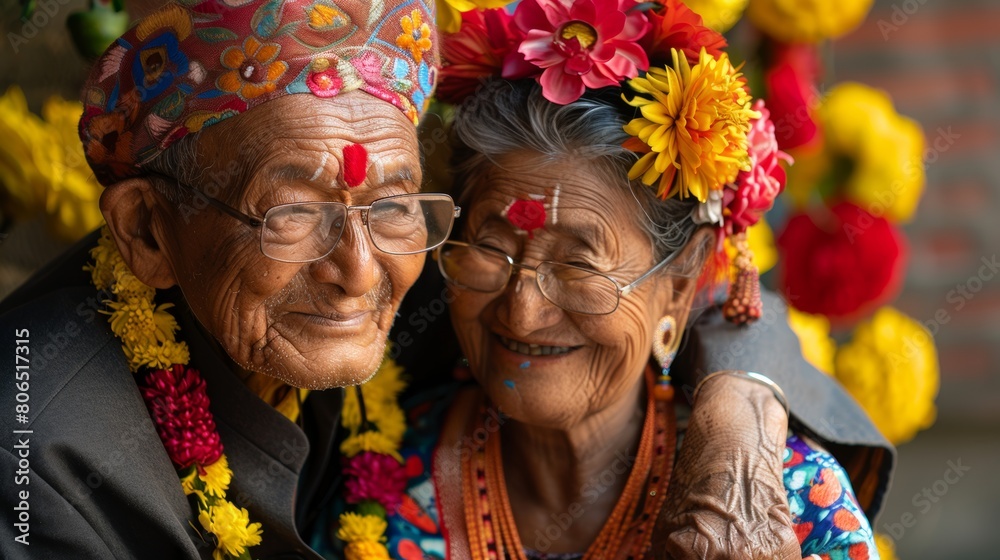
(565, 447)
(572, 282)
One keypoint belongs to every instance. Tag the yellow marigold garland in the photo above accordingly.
(147, 332)
(372, 444)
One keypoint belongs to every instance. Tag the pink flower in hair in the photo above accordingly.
(581, 44)
(756, 190)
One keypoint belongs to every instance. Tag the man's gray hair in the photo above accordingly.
(508, 117)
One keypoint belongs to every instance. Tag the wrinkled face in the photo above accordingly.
(314, 325)
(592, 361)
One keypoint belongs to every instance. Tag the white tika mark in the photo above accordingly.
(319, 169)
(555, 205)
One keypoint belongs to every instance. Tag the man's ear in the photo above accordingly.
(692, 260)
(128, 208)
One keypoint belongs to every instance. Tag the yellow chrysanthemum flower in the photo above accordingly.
(392, 424)
(449, 12)
(231, 526)
(189, 482)
(366, 550)
(814, 335)
(138, 321)
(886, 547)
(106, 258)
(807, 21)
(156, 356)
(380, 392)
(355, 527)
(720, 15)
(217, 477)
(375, 442)
(693, 128)
(891, 368)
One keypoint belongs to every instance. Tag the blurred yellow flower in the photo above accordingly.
(366, 550)
(42, 166)
(720, 15)
(356, 527)
(891, 367)
(814, 335)
(26, 149)
(693, 128)
(871, 154)
(376, 442)
(886, 547)
(807, 21)
(449, 12)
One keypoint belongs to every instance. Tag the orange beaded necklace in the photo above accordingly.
(627, 533)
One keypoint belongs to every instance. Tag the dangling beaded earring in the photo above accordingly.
(665, 349)
(743, 306)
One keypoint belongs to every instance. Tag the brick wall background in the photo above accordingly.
(940, 61)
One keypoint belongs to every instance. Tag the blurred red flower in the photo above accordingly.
(792, 95)
(842, 266)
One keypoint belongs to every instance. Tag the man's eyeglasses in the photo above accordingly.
(302, 232)
(572, 288)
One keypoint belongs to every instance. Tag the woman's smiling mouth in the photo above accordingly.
(533, 349)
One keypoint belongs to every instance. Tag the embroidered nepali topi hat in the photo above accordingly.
(195, 63)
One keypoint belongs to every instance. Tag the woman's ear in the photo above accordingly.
(128, 208)
(693, 259)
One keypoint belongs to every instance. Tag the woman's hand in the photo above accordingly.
(727, 498)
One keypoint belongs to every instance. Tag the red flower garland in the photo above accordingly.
(178, 405)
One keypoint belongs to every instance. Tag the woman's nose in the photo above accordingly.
(523, 308)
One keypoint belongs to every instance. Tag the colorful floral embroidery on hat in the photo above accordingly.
(195, 63)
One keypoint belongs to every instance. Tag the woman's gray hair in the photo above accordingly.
(508, 117)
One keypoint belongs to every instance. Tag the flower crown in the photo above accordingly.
(698, 131)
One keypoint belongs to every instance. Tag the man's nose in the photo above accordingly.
(351, 265)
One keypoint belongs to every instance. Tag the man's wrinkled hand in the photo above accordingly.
(727, 498)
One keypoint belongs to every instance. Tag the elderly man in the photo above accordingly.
(264, 222)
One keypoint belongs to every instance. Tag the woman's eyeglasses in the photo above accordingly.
(572, 288)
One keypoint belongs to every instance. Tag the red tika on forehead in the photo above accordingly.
(355, 164)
